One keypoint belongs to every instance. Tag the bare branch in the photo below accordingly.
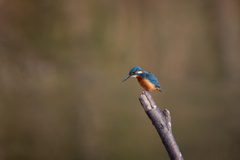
(162, 122)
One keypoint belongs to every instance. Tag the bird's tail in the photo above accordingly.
(158, 88)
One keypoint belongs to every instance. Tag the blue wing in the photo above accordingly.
(151, 78)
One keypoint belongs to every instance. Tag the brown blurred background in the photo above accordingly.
(62, 63)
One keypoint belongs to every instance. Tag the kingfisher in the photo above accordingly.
(147, 80)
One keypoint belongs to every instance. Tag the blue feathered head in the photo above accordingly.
(133, 72)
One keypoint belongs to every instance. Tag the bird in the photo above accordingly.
(146, 79)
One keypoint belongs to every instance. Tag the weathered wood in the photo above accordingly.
(162, 122)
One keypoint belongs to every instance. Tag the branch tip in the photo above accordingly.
(166, 113)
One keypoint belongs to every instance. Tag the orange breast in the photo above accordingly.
(145, 84)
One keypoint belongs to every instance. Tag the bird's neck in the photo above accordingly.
(139, 77)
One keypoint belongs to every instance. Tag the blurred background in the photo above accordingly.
(62, 63)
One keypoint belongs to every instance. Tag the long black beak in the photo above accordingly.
(126, 78)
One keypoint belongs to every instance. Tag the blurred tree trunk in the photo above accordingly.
(227, 19)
